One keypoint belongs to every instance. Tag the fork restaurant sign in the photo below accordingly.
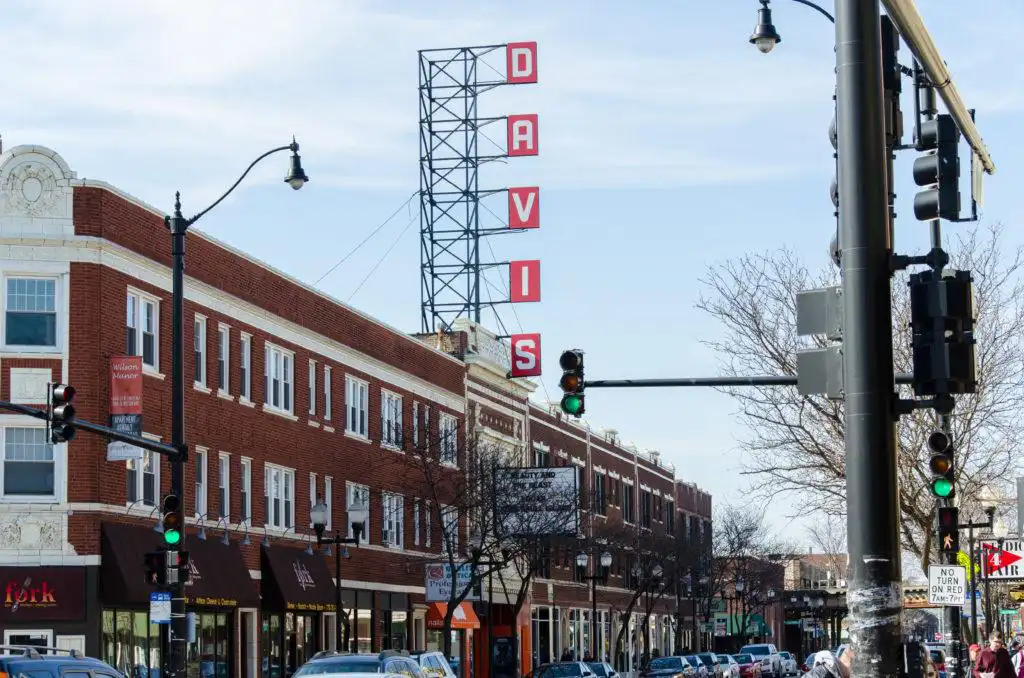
(439, 582)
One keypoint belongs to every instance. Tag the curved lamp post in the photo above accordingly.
(358, 513)
(765, 37)
(178, 226)
(601, 568)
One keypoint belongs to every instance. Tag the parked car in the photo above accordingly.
(750, 667)
(788, 664)
(711, 662)
(669, 666)
(562, 670)
(434, 664)
(28, 660)
(603, 670)
(390, 662)
(700, 668)
(768, 655)
(730, 667)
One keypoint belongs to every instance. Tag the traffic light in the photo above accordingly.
(171, 520)
(949, 529)
(184, 567)
(938, 169)
(942, 315)
(941, 464)
(62, 413)
(572, 383)
(156, 569)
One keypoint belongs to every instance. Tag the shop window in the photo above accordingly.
(28, 469)
(31, 312)
(130, 643)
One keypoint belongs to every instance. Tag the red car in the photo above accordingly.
(749, 667)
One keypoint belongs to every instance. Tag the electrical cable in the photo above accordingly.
(382, 258)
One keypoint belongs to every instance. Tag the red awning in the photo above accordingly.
(462, 618)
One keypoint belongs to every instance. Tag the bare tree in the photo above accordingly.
(794, 443)
(828, 535)
(744, 551)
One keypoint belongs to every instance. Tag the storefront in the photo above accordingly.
(220, 585)
(464, 620)
(298, 608)
(49, 606)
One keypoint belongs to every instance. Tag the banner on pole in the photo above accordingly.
(125, 405)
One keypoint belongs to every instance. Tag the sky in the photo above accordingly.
(668, 144)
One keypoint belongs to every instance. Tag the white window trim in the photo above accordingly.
(47, 633)
(141, 297)
(444, 439)
(226, 347)
(245, 359)
(364, 435)
(447, 537)
(224, 464)
(416, 521)
(328, 405)
(312, 497)
(268, 351)
(60, 296)
(392, 503)
(270, 468)
(200, 320)
(245, 485)
(204, 510)
(140, 484)
(385, 394)
(60, 456)
(368, 526)
(311, 387)
(328, 500)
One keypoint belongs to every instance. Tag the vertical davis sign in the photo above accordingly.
(538, 501)
(125, 405)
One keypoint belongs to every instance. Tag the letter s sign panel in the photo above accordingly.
(524, 281)
(525, 355)
(521, 63)
(522, 134)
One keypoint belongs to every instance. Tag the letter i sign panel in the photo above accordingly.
(524, 281)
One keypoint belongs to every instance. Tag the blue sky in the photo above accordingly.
(668, 143)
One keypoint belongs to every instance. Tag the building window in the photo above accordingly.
(357, 493)
(223, 349)
(200, 350)
(357, 396)
(393, 533)
(245, 490)
(278, 386)
(390, 419)
(328, 500)
(415, 522)
(415, 424)
(600, 501)
(670, 513)
(201, 505)
(245, 360)
(427, 522)
(29, 468)
(223, 483)
(143, 479)
(279, 493)
(541, 456)
(450, 528)
(645, 508)
(312, 388)
(143, 329)
(327, 393)
(449, 439)
(627, 503)
(31, 312)
(312, 496)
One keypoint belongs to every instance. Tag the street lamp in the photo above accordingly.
(358, 512)
(178, 226)
(765, 36)
(600, 575)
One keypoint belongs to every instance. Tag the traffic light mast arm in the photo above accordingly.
(106, 431)
(709, 381)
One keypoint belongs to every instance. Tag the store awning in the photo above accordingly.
(219, 575)
(462, 618)
(296, 580)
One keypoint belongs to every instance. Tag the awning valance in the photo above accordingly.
(462, 618)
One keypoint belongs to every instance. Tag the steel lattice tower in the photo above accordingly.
(451, 269)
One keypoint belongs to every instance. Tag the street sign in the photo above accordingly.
(1002, 559)
(947, 585)
(160, 607)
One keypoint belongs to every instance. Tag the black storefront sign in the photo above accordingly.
(32, 594)
(297, 581)
(218, 573)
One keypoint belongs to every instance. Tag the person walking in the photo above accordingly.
(994, 661)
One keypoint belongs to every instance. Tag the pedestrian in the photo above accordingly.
(994, 661)
(1017, 657)
(973, 651)
(825, 665)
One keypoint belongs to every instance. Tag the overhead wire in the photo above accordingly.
(384, 256)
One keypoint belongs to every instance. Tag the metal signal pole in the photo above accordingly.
(874, 596)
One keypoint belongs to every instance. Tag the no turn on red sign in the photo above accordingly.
(947, 585)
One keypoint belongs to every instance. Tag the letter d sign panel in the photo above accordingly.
(524, 281)
(521, 63)
(522, 134)
(525, 355)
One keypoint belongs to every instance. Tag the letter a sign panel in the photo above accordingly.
(947, 585)
(522, 134)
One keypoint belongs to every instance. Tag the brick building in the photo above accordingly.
(288, 387)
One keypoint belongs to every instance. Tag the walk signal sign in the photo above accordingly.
(949, 529)
(572, 382)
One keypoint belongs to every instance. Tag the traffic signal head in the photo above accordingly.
(155, 568)
(62, 413)
(572, 382)
(941, 464)
(938, 169)
(171, 520)
(949, 529)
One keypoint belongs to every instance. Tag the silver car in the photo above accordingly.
(730, 669)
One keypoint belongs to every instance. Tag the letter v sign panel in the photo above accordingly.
(524, 281)
(524, 207)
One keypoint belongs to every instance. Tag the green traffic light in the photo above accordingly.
(572, 404)
(172, 536)
(942, 487)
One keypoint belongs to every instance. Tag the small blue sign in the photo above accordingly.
(160, 607)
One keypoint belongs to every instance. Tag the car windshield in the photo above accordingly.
(560, 670)
(785, 655)
(599, 669)
(694, 660)
(756, 649)
(743, 658)
(666, 663)
(320, 667)
(723, 659)
(708, 658)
